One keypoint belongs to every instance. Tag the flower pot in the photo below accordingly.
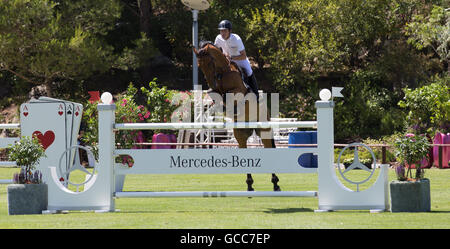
(410, 196)
(160, 138)
(27, 198)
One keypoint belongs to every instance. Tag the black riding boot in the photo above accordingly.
(251, 81)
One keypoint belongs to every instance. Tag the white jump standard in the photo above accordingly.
(102, 190)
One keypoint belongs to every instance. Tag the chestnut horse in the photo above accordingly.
(223, 76)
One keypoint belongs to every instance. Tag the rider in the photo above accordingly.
(234, 50)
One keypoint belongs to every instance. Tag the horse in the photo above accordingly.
(224, 76)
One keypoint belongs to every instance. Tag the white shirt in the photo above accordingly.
(232, 46)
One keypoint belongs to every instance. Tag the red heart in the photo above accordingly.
(76, 114)
(25, 114)
(60, 113)
(45, 140)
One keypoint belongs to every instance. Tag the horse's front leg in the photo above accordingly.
(275, 181)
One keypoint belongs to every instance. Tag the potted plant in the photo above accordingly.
(28, 194)
(408, 193)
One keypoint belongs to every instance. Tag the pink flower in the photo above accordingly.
(124, 102)
(147, 114)
(167, 100)
(141, 107)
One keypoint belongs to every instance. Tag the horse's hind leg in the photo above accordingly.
(241, 136)
(249, 182)
(268, 142)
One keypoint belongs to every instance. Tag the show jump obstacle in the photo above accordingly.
(101, 189)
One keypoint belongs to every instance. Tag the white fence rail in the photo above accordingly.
(4, 143)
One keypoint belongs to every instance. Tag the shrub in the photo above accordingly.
(411, 150)
(159, 103)
(428, 106)
(367, 109)
(27, 153)
(158, 108)
(127, 111)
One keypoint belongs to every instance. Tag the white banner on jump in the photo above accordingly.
(215, 161)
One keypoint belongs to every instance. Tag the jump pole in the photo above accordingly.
(215, 125)
(144, 194)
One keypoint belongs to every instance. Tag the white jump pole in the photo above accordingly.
(217, 194)
(6, 181)
(215, 125)
(9, 126)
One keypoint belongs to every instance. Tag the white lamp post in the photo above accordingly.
(195, 5)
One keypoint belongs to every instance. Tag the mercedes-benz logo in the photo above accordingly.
(357, 164)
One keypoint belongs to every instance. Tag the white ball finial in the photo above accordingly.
(325, 95)
(107, 98)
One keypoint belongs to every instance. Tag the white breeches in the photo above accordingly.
(245, 65)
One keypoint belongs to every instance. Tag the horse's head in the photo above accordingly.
(212, 62)
(206, 64)
(204, 59)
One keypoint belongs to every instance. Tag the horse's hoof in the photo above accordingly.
(276, 188)
(250, 189)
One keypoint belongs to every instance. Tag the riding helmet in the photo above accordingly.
(225, 24)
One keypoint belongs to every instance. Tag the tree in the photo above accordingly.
(305, 40)
(432, 31)
(45, 42)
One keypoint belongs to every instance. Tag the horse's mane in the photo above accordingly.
(203, 44)
(208, 47)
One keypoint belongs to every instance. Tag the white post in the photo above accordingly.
(198, 113)
(195, 43)
(106, 146)
(333, 195)
(325, 146)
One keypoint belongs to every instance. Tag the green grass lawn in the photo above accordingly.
(232, 212)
